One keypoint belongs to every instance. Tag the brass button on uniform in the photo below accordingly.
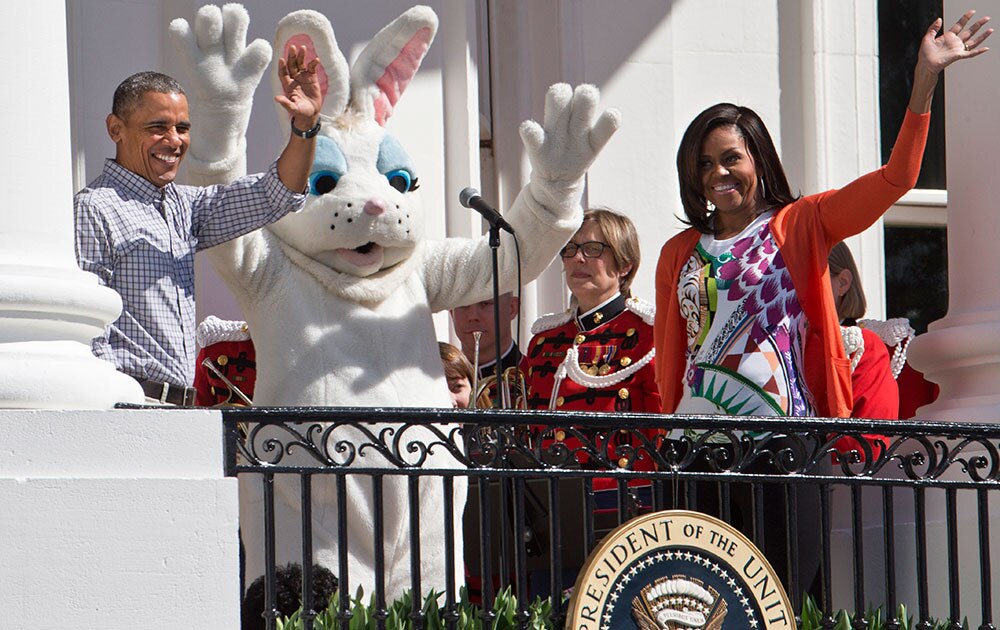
(560, 435)
(630, 332)
(540, 341)
(222, 360)
(625, 362)
(623, 462)
(560, 401)
(623, 393)
(580, 338)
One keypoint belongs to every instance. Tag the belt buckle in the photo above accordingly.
(188, 398)
(165, 391)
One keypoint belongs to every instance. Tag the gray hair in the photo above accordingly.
(130, 91)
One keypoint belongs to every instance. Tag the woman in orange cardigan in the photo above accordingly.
(745, 319)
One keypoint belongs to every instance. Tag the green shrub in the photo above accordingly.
(812, 618)
(540, 612)
(362, 614)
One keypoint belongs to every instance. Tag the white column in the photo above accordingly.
(840, 115)
(49, 309)
(961, 352)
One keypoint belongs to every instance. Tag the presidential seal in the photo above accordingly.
(678, 570)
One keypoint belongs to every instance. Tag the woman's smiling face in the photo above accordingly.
(729, 177)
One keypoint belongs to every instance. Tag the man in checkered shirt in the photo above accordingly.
(138, 231)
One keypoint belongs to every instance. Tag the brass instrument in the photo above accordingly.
(476, 334)
(233, 389)
(512, 388)
(511, 392)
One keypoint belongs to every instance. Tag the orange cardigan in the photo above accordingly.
(804, 231)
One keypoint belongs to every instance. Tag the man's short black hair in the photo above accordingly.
(288, 580)
(131, 90)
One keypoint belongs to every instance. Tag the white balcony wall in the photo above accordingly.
(117, 520)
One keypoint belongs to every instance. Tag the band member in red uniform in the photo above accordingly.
(875, 394)
(227, 346)
(598, 354)
(477, 334)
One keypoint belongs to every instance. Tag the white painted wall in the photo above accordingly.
(117, 520)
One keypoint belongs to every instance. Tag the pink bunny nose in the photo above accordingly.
(374, 207)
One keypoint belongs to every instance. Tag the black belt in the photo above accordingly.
(169, 393)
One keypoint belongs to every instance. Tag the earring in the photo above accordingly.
(763, 190)
(710, 206)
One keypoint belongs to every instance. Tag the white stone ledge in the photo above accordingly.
(125, 443)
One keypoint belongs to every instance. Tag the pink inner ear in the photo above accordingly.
(397, 74)
(301, 40)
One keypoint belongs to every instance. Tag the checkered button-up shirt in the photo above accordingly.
(140, 240)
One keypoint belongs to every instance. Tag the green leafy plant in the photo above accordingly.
(812, 618)
(505, 609)
(398, 613)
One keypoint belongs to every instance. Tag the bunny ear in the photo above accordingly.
(389, 61)
(313, 30)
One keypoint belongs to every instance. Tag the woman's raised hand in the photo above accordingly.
(960, 41)
(937, 52)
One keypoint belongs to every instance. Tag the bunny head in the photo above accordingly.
(363, 214)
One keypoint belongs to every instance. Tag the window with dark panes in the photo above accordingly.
(916, 255)
(916, 274)
(901, 24)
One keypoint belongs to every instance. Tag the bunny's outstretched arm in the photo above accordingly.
(564, 146)
(547, 211)
(222, 73)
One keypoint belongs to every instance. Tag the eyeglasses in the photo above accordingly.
(590, 249)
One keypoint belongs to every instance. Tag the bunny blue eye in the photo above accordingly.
(322, 182)
(400, 179)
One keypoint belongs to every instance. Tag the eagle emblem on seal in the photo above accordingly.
(678, 603)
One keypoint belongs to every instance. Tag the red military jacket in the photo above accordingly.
(227, 345)
(605, 359)
(610, 365)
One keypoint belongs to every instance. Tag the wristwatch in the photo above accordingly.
(310, 133)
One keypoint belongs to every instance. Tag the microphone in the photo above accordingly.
(470, 198)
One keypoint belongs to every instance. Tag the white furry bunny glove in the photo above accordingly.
(223, 73)
(565, 145)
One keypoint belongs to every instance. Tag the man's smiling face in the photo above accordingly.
(154, 137)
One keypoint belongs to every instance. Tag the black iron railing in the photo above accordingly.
(901, 518)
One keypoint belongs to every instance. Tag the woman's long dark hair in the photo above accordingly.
(777, 192)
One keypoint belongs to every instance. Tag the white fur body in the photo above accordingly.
(317, 347)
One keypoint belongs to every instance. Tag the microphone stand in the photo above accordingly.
(497, 367)
(494, 241)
